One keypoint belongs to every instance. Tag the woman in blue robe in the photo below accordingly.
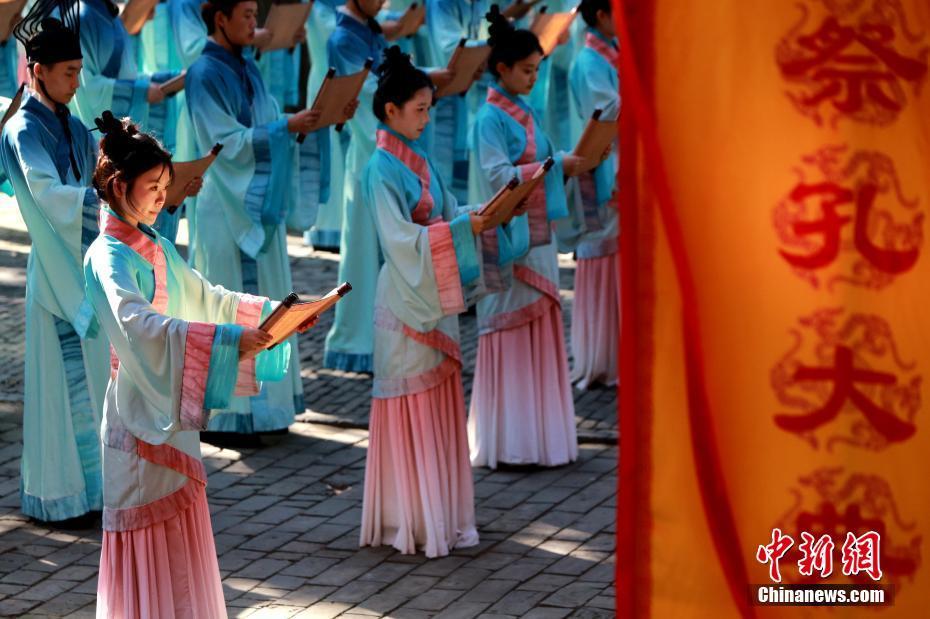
(521, 408)
(595, 85)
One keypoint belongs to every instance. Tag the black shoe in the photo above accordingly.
(90, 520)
(232, 440)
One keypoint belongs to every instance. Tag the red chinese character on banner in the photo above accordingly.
(844, 378)
(862, 554)
(844, 382)
(830, 502)
(856, 63)
(847, 220)
(773, 552)
(816, 555)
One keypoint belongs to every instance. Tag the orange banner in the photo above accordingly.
(775, 185)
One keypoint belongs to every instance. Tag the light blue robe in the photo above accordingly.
(550, 97)
(110, 79)
(67, 359)
(170, 43)
(448, 22)
(261, 180)
(176, 343)
(501, 141)
(9, 57)
(321, 23)
(595, 85)
(432, 269)
(349, 343)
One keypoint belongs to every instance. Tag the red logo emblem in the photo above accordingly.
(849, 520)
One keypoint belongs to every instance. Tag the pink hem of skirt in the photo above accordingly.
(419, 492)
(596, 322)
(522, 410)
(164, 571)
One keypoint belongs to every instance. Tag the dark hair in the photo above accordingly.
(209, 9)
(589, 9)
(398, 81)
(509, 45)
(125, 154)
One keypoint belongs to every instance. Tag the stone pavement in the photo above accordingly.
(286, 516)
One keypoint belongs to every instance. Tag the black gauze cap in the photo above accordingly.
(48, 38)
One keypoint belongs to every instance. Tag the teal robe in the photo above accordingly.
(595, 84)
(350, 340)
(262, 181)
(170, 43)
(110, 79)
(67, 359)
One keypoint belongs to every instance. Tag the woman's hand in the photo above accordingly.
(441, 77)
(304, 121)
(262, 37)
(193, 187)
(251, 342)
(155, 94)
(573, 165)
(350, 110)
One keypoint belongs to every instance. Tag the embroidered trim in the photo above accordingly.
(197, 348)
(416, 164)
(142, 516)
(446, 268)
(248, 314)
(434, 339)
(147, 248)
(531, 278)
(609, 53)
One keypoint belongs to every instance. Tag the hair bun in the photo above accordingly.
(499, 28)
(108, 123)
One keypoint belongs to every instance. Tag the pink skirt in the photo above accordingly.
(419, 492)
(164, 571)
(596, 322)
(522, 410)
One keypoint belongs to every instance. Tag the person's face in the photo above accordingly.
(147, 196)
(521, 77)
(240, 26)
(411, 118)
(606, 23)
(60, 79)
(370, 7)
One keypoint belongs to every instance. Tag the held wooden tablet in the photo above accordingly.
(335, 94)
(292, 313)
(464, 63)
(185, 172)
(514, 193)
(174, 85)
(9, 12)
(598, 135)
(411, 20)
(284, 21)
(135, 13)
(549, 27)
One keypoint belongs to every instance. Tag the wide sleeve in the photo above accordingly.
(55, 213)
(124, 97)
(544, 205)
(423, 263)
(445, 29)
(211, 303)
(173, 369)
(188, 29)
(255, 161)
